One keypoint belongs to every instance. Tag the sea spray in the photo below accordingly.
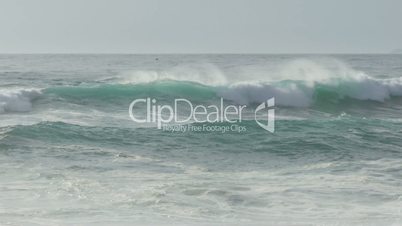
(17, 100)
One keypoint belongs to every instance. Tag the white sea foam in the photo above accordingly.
(203, 73)
(302, 94)
(296, 83)
(17, 100)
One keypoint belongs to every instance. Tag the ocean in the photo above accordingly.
(70, 154)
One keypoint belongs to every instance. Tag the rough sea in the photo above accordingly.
(71, 155)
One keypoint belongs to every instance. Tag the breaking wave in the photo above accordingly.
(301, 83)
(304, 94)
(291, 93)
(17, 100)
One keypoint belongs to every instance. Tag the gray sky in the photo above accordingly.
(200, 26)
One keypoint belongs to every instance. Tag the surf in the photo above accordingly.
(293, 93)
(17, 100)
(300, 83)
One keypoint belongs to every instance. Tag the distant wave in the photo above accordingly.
(304, 94)
(295, 93)
(290, 93)
(300, 83)
(17, 100)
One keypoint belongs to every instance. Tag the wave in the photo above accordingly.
(304, 94)
(202, 73)
(300, 83)
(162, 89)
(291, 93)
(17, 100)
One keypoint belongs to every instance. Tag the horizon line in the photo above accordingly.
(198, 53)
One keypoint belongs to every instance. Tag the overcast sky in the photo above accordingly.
(200, 26)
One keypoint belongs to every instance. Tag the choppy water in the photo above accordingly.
(70, 154)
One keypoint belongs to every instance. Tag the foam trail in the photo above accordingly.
(17, 100)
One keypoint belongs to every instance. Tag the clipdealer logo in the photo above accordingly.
(269, 107)
(183, 113)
